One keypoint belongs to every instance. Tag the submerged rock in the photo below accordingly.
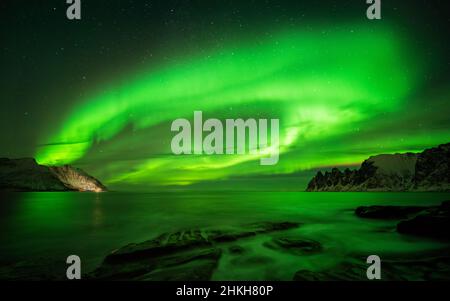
(250, 261)
(388, 212)
(423, 269)
(199, 262)
(169, 243)
(233, 234)
(433, 222)
(162, 245)
(183, 255)
(342, 272)
(27, 175)
(200, 269)
(297, 246)
(236, 250)
(39, 269)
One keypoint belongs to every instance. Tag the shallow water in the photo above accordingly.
(55, 225)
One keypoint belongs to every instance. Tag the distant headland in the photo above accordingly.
(27, 175)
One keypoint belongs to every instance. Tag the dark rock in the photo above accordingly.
(427, 171)
(40, 269)
(307, 275)
(433, 222)
(294, 245)
(234, 234)
(168, 243)
(236, 250)
(28, 175)
(252, 261)
(445, 205)
(182, 255)
(201, 262)
(197, 270)
(388, 212)
(164, 244)
(342, 272)
(423, 269)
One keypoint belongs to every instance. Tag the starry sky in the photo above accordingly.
(101, 93)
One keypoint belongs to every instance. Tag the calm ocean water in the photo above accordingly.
(51, 226)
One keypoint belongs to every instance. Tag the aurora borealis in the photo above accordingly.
(343, 88)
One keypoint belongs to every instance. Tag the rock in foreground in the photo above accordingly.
(433, 222)
(28, 175)
(294, 245)
(388, 212)
(184, 255)
(426, 269)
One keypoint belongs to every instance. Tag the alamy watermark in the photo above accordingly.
(73, 11)
(374, 270)
(374, 10)
(237, 136)
(73, 272)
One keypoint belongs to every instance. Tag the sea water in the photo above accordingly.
(51, 226)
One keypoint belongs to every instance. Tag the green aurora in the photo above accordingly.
(319, 87)
(343, 91)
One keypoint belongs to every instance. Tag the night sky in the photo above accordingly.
(101, 93)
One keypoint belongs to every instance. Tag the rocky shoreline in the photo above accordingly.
(195, 254)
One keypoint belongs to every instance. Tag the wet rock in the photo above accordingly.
(164, 244)
(169, 243)
(252, 260)
(342, 272)
(233, 234)
(434, 222)
(236, 250)
(427, 269)
(198, 270)
(297, 246)
(421, 269)
(388, 212)
(307, 275)
(40, 269)
(152, 267)
(183, 255)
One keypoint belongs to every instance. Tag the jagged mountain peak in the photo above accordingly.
(426, 171)
(402, 164)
